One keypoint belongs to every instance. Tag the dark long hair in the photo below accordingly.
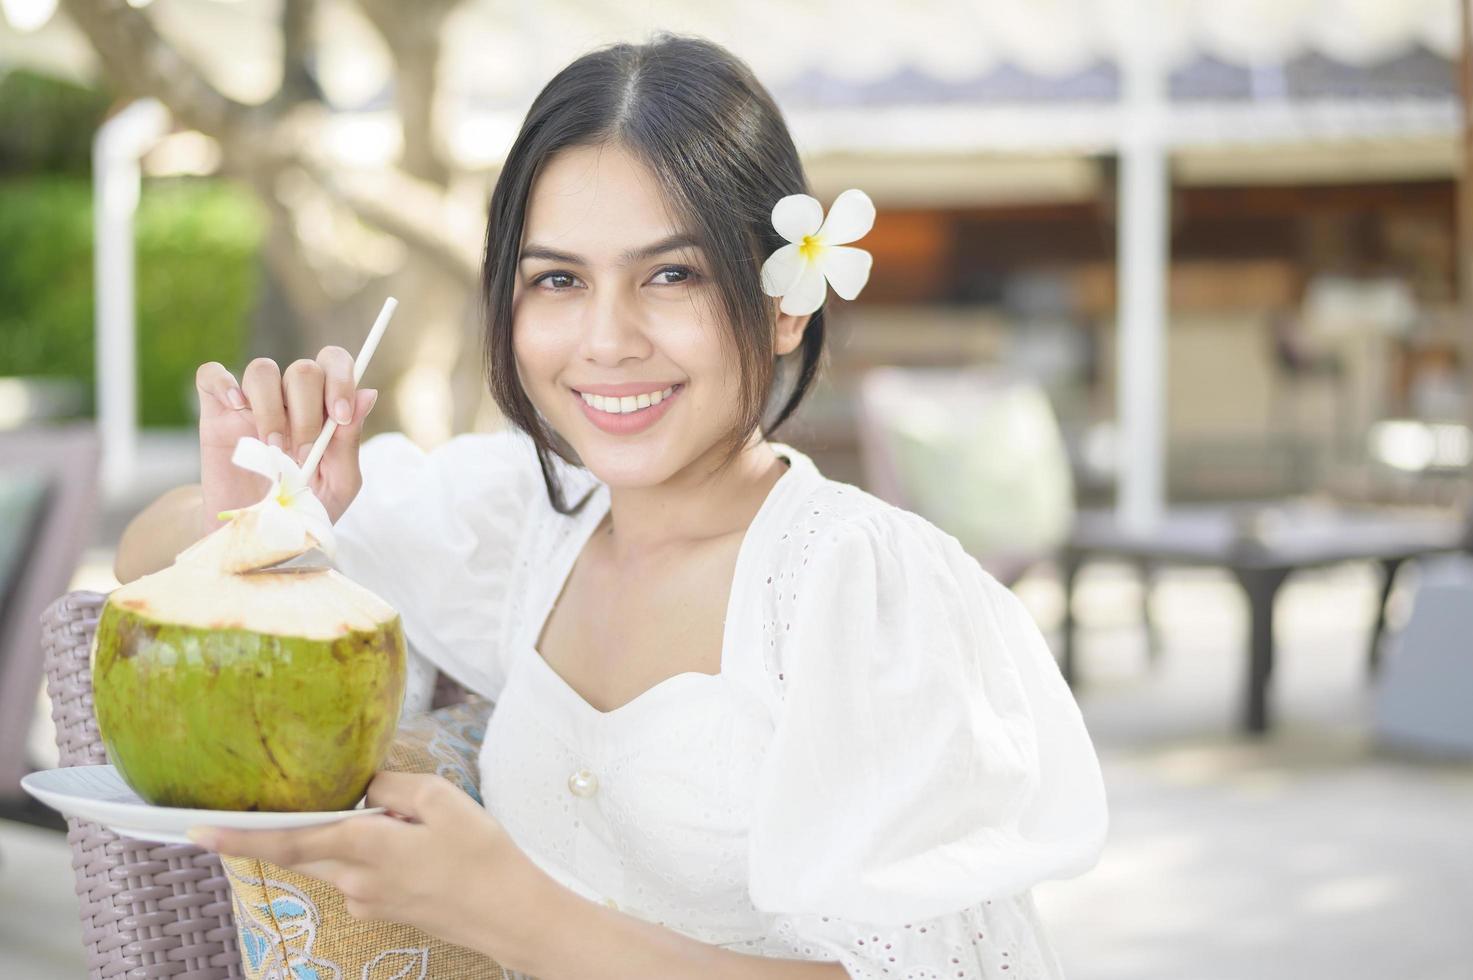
(696, 116)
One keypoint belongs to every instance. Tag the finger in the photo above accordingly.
(358, 910)
(219, 392)
(288, 848)
(337, 370)
(410, 794)
(303, 384)
(341, 455)
(261, 382)
(329, 870)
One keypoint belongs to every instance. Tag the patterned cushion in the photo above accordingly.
(293, 927)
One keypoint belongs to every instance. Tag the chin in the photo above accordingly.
(628, 466)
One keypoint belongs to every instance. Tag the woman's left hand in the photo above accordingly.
(438, 861)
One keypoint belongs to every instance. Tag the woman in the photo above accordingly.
(749, 721)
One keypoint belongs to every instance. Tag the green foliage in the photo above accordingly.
(197, 242)
(46, 124)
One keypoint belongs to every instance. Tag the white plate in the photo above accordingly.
(98, 793)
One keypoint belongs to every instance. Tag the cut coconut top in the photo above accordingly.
(240, 546)
(313, 603)
(288, 521)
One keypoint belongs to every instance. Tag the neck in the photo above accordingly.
(700, 503)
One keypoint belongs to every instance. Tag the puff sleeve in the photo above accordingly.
(928, 765)
(435, 535)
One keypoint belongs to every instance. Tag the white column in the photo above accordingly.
(120, 143)
(1142, 260)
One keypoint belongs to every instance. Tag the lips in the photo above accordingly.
(630, 402)
(623, 388)
(631, 419)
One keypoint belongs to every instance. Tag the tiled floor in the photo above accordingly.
(1310, 854)
(40, 937)
(1315, 853)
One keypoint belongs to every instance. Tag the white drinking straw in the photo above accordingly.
(360, 364)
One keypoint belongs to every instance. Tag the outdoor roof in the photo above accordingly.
(919, 77)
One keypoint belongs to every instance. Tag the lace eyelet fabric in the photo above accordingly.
(886, 762)
(994, 938)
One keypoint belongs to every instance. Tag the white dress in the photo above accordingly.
(886, 763)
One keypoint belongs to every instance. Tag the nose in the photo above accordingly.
(612, 331)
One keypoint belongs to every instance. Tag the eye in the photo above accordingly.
(681, 275)
(557, 282)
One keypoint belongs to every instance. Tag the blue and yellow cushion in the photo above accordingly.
(293, 927)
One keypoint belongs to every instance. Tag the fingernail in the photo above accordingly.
(203, 838)
(372, 401)
(236, 398)
(302, 452)
(342, 411)
(276, 440)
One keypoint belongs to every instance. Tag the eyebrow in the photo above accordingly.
(669, 244)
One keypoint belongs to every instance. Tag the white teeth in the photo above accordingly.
(628, 403)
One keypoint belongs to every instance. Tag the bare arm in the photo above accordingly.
(161, 530)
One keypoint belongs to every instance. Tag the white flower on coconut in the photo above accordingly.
(290, 511)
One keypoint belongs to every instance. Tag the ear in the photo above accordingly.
(789, 332)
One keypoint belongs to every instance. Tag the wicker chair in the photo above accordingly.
(148, 910)
(61, 461)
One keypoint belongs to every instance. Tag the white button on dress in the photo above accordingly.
(583, 783)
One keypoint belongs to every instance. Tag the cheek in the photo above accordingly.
(695, 338)
(704, 352)
(540, 342)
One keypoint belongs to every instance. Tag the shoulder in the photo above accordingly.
(394, 454)
(854, 574)
(436, 533)
(839, 527)
(824, 529)
(471, 467)
(471, 496)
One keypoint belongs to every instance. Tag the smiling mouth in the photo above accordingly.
(627, 404)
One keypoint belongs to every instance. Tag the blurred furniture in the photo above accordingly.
(148, 910)
(1426, 682)
(48, 499)
(1298, 364)
(1261, 545)
(1358, 321)
(27, 400)
(976, 451)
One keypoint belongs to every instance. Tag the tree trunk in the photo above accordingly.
(327, 264)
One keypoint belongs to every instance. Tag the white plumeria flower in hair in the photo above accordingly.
(290, 510)
(817, 251)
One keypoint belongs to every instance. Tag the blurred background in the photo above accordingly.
(1169, 324)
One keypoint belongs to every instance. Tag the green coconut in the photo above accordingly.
(267, 689)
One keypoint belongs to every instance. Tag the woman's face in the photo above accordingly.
(614, 303)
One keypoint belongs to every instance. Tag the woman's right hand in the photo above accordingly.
(286, 409)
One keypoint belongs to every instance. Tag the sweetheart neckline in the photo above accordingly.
(734, 598)
(649, 694)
